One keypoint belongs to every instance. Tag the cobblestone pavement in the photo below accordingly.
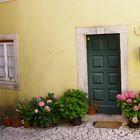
(86, 131)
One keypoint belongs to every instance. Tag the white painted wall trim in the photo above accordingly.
(82, 53)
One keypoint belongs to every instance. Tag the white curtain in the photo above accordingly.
(10, 60)
(10, 49)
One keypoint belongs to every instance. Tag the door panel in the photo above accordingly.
(104, 79)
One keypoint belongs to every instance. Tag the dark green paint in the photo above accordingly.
(104, 78)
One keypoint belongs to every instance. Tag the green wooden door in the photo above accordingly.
(104, 78)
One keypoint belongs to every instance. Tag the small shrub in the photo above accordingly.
(73, 104)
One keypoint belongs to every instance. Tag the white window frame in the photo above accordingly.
(12, 84)
(4, 0)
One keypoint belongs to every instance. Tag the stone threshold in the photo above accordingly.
(104, 117)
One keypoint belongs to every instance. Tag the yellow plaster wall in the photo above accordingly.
(47, 40)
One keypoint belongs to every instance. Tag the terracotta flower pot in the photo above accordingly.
(91, 110)
(50, 125)
(7, 121)
(17, 122)
(27, 124)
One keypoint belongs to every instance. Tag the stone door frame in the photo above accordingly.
(82, 69)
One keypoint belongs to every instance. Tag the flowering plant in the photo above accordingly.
(41, 111)
(129, 102)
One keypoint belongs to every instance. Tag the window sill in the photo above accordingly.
(9, 85)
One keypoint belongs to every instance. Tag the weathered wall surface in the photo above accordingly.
(47, 40)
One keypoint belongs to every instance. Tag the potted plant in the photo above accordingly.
(17, 119)
(41, 111)
(129, 102)
(73, 105)
(7, 121)
(93, 107)
(7, 116)
(26, 112)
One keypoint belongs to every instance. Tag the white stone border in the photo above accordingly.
(4, 0)
(82, 53)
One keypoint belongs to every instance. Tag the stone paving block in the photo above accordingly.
(65, 132)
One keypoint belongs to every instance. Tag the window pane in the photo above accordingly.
(1, 49)
(2, 72)
(10, 60)
(1, 61)
(10, 49)
(11, 73)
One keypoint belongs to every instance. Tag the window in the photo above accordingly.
(8, 62)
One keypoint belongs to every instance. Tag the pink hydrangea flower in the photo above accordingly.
(55, 97)
(38, 98)
(130, 94)
(41, 104)
(47, 108)
(49, 101)
(121, 97)
(36, 110)
(136, 108)
(129, 100)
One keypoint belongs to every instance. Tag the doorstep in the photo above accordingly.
(104, 117)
